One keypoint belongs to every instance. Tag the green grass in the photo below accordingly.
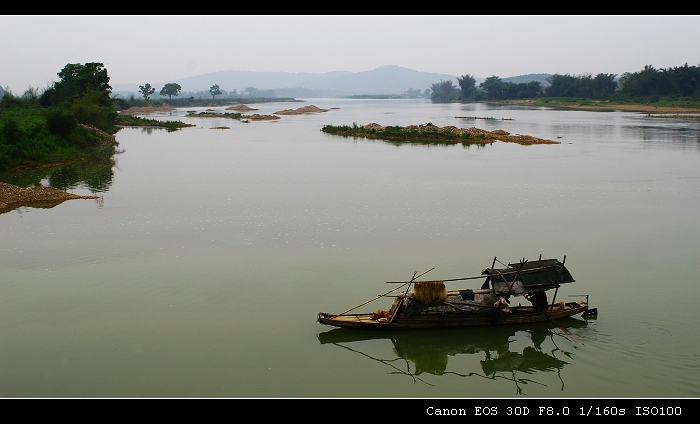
(25, 140)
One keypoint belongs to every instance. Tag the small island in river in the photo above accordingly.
(13, 197)
(430, 133)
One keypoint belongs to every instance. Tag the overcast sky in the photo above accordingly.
(140, 49)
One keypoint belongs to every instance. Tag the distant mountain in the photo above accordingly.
(2, 92)
(383, 80)
(541, 78)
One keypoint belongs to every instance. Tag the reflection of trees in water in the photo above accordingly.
(94, 173)
(429, 351)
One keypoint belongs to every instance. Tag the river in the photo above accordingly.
(201, 268)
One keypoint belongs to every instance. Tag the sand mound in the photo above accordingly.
(258, 117)
(240, 108)
(301, 110)
(136, 110)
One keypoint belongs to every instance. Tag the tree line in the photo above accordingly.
(53, 124)
(649, 84)
(173, 89)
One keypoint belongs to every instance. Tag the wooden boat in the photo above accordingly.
(430, 305)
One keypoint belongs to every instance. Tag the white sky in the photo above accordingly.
(139, 49)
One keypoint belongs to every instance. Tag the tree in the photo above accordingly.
(563, 86)
(85, 91)
(604, 85)
(412, 93)
(76, 81)
(443, 92)
(214, 91)
(146, 91)
(494, 86)
(468, 85)
(170, 89)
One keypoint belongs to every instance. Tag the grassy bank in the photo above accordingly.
(33, 137)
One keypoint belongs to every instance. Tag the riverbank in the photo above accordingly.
(605, 106)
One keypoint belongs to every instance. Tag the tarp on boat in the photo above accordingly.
(528, 277)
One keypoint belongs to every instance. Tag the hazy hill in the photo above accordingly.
(541, 78)
(383, 80)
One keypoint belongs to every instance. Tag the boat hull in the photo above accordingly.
(518, 315)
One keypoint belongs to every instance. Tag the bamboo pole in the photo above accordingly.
(381, 295)
(393, 316)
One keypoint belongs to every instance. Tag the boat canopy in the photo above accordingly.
(527, 277)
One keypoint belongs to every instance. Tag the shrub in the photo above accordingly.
(92, 114)
(60, 121)
(11, 134)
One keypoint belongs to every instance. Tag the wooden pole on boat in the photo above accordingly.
(381, 295)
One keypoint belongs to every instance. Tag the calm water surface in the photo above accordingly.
(200, 270)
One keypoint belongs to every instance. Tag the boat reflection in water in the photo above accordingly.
(419, 352)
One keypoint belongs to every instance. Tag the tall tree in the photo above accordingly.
(494, 87)
(604, 85)
(170, 89)
(214, 91)
(76, 81)
(146, 91)
(443, 92)
(468, 85)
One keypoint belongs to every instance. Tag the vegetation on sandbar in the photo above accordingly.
(209, 114)
(431, 134)
(124, 120)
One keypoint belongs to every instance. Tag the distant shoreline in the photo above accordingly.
(603, 106)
